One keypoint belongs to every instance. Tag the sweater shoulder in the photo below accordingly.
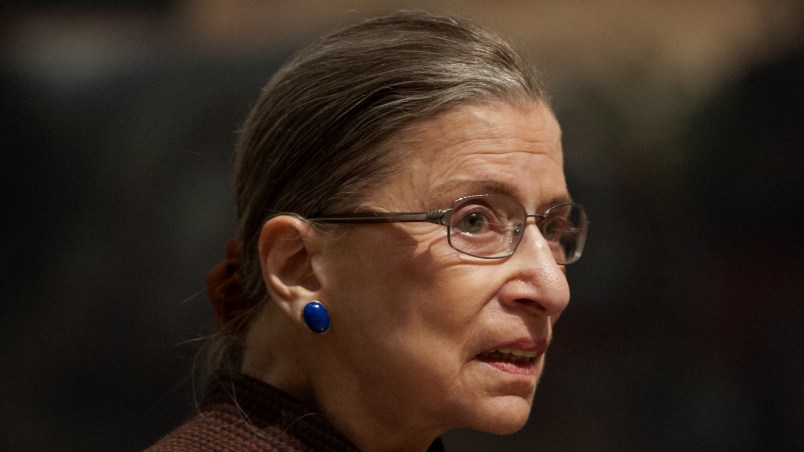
(219, 428)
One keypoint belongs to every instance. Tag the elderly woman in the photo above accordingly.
(404, 225)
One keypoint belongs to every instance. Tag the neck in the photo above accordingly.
(268, 354)
(280, 353)
(378, 430)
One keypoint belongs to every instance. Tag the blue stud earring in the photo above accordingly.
(316, 317)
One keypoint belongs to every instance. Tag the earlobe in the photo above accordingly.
(286, 251)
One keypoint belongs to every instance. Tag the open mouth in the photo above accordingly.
(509, 355)
(512, 360)
(521, 357)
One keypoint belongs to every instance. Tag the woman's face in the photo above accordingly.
(424, 337)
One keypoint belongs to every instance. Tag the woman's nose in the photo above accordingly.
(537, 283)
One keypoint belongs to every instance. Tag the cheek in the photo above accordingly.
(436, 290)
(432, 315)
(407, 288)
(378, 262)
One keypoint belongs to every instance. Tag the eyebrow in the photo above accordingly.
(457, 188)
(472, 187)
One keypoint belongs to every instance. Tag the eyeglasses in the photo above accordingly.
(491, 226)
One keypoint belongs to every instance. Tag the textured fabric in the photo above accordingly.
(263, 418)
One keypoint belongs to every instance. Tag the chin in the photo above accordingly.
(503, 417)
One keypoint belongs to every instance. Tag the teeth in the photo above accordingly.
(509, 354)
(522, 353)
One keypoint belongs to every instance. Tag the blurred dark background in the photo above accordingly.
(683, 129)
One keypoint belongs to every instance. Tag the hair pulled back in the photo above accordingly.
(315, 142)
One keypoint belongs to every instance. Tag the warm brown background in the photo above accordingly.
(683, 126)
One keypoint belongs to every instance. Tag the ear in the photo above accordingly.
(286, 250)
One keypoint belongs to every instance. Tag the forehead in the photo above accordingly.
(498, 148)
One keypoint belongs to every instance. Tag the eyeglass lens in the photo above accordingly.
(491, 226)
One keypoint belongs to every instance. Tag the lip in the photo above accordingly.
(516, 357)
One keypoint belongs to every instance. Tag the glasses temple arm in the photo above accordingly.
(435, 216)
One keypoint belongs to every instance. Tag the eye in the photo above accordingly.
(516, 232)
(474, 219)
(472, 223)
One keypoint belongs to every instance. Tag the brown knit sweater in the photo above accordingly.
(241, 413)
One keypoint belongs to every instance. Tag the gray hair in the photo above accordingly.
(316, 141)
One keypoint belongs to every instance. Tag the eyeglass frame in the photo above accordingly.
(442, 217)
